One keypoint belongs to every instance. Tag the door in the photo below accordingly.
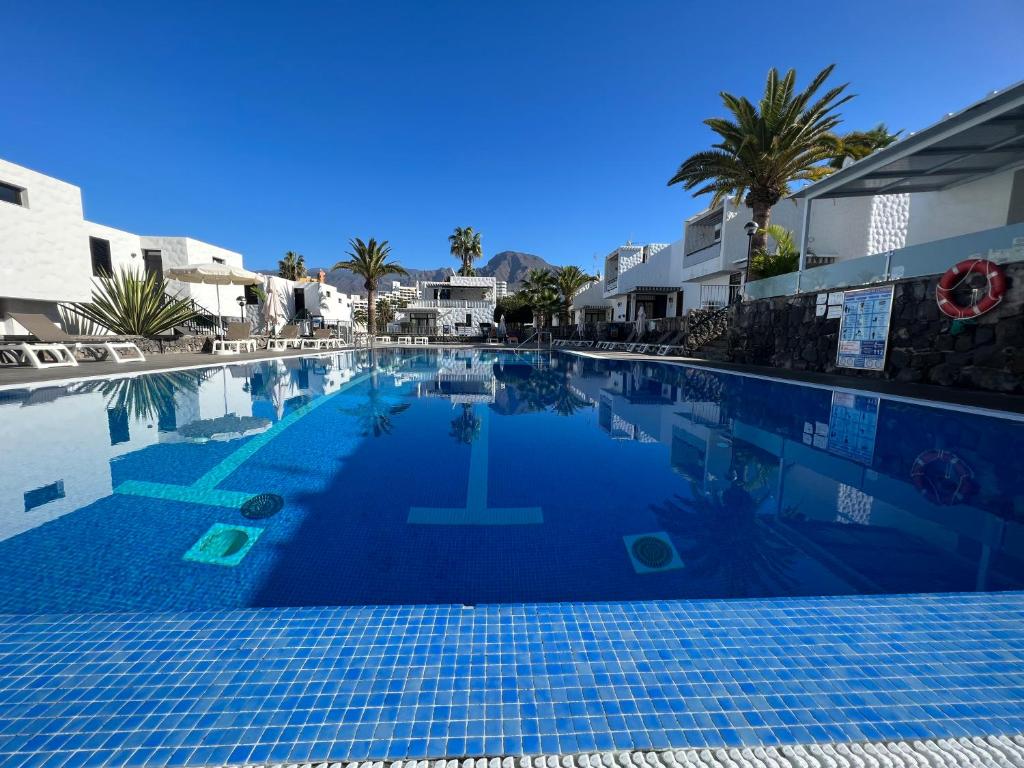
(300, 300)
(154, 262)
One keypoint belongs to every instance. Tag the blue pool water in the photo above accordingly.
(471, 476)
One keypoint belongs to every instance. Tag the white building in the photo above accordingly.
(49, 252)
(458, 305)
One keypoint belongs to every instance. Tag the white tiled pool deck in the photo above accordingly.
(429, 682)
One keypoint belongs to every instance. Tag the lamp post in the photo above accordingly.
(750, 228)
(241, 307)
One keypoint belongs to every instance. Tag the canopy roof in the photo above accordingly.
(985, 138)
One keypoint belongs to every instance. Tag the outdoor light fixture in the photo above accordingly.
(750, 228)
(241, 307)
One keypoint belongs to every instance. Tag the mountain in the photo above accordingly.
(510, 266)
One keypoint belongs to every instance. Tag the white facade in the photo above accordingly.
(49, 253)
(457, 305)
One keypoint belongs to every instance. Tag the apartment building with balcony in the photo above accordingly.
(456, 305)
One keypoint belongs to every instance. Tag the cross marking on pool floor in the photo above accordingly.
(204, 490)
(476, 511)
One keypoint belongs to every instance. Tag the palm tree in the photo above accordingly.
(466, 246)
(133, 304)
(787, 137)
(542, 290)
(292, 266)
(570, 280)
(370, 262)
(858, 144)
(784, 260)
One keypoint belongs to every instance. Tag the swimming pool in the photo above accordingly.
(475, 476)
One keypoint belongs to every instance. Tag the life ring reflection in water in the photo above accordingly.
(943, 477)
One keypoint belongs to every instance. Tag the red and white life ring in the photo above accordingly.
(951, 484)
(957, 274)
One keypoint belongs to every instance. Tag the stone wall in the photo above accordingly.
(924, 345)
(180, 344)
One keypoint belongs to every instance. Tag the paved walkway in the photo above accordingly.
(429, 682)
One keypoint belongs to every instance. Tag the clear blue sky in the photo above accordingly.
(550, 126)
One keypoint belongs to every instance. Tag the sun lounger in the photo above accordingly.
(421, 341)
(321, 339)
(237, 339)
(383, 340)
(287, 339)
(405, 339)
(53, 347)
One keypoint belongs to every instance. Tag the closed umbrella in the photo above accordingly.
(501, 327)
(215, 274)
(273, 308)
(641, 320)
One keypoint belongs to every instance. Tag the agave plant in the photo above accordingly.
(147, 397)
(131, 304)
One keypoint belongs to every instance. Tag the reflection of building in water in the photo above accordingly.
(874, 530)
(44, 479)
(462, 376)
(92, 423)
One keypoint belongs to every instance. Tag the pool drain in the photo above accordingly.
(652, 551)
(223, 544)
(262, 506)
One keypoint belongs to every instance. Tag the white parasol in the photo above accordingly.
(215, 274)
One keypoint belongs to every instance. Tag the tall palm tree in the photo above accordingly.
(786, 137)
(466, 245)
(370, 262)
(570, 280)
(542, 290)
(857, 144)
(292, 266)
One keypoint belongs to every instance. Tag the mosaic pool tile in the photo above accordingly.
(392, 682)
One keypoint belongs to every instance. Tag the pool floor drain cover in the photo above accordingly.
(223, 544)
(652, 552)
(262, 506)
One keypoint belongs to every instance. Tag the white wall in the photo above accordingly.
(973, 207)
(44, 248)
(125, 247)
(182, 251)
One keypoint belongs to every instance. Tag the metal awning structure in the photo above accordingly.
(983, 139)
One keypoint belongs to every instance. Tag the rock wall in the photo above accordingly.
(180, 344)
(924, 345)
(890, 217)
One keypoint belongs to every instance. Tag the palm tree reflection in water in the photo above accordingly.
(466, 426)
(720, 537)
(375, 414)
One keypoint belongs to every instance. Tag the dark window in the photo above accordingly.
(251, 297)
(100, 251)
(12, 194)
(218, 260)
(44, 495)
(117, 425)
(154, 262)
(300, 299)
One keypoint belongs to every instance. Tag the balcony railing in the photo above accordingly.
(714, 296)
(450, 304)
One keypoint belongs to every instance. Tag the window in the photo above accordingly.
(218, 260)
(99, 249)
(12, 194)
(251, 297)
(44, 495)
